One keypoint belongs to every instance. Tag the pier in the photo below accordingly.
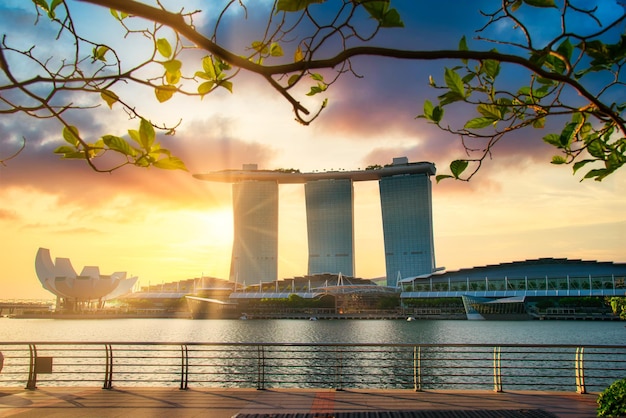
(283, 380)
(145, 402)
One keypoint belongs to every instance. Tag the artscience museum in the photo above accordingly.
(78, 292)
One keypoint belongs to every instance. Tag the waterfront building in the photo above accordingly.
(78, 292)
(406, 201)
(255, 244)
(330, 226)
(512, 290)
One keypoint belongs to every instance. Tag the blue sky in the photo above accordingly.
(165, 226)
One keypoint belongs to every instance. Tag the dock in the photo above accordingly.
(144, 402)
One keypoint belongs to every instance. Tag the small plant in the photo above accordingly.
(612, 401)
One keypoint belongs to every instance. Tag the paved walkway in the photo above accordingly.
(226, 403)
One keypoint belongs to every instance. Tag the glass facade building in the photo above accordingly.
(406, 204)
(406, 201)
(330, 226)
(255, 241)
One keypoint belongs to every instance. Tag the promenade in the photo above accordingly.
(68, 402)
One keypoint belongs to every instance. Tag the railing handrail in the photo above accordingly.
(306, 344)
(319, 364)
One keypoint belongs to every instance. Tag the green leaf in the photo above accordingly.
(490, 111)
(317, 77)
(173, 78)
(260, 47)
(428, 109)
(134, 135)
(118, 144)
(109, 97)
(64, 149)
(209, 68)
(516, 5)
(558, 159)
(567, 134)
(457, 167)
(599, 174)
(205, 87)
(579, 164)
(314, 90)
(539, 123)
(463, 47)
(170, 163)
(295, 5)
(100, 52)
(492, 68)
(450, 97)
(437, 114)
(392, 19)
(540, 3)
(379, 10)
(463, 44)
(479, 123)
(454, 82)
(293, 79)
(226, 84)
(43, 4)
(71, 135)
(298, 55)
(172, 66)
(203, 75)
(164, 93)
(118, 15)
(53, 6)
(164, 47)
(596, 149)
(146, 134)
(440, 177)
(566, 49)
(553, 139)
(276, 50)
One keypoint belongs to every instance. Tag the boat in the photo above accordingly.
(410, 318)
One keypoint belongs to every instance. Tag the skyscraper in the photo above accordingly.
(406, 203)
(255, 244)
(330, 226)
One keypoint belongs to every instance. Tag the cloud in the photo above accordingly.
(8, 215)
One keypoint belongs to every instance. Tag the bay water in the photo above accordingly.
(322, 331)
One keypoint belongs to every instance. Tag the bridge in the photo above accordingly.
(10, 307)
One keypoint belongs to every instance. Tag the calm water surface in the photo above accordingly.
(301, 331)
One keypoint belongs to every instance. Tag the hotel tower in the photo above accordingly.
(406, 203)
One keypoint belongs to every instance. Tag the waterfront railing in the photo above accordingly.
(589, 368)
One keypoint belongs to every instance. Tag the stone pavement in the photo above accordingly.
(68, 402)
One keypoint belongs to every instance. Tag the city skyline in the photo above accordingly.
(165, 226)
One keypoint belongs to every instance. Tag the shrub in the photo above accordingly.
(612, 401)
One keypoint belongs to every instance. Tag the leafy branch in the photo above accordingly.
(301, 44)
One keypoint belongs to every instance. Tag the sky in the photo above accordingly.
(165, 226)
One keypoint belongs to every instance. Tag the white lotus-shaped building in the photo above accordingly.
(61, 279)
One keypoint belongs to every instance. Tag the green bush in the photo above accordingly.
(612, 401)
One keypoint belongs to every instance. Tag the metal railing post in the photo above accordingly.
(32, 372)
(417, 368)
(108, 367)
(497, 369)
(260, 383)
(339, 370)
(184, 367)
(580, 370)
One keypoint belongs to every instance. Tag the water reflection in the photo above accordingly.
(301, 331)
